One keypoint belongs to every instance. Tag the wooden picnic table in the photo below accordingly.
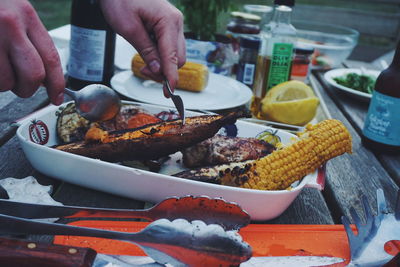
(347, 176)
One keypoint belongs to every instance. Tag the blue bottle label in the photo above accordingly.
(382, 123)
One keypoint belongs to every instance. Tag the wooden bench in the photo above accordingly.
(377, 21)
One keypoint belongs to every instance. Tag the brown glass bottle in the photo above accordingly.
(381, 130)
(92, 46)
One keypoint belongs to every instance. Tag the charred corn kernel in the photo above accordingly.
(278, 170)
(192, 76)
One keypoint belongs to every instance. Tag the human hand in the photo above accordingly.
(137, 20)
(27, 54)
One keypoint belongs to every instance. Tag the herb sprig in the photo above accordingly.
(360, 82)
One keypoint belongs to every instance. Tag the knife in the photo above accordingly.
(21, 253)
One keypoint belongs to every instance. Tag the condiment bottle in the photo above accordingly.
(92, 46)
(381, 130)
(301, 63)
(247, 60)
(241, 25)
(275, 56)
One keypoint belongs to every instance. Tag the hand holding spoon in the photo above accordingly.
(95, 102)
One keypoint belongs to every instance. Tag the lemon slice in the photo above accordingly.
(292, 102)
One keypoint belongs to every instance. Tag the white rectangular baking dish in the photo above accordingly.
(37, 133)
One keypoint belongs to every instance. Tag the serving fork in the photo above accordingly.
(368, 246)
(177, 101)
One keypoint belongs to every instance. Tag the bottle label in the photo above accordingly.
(281, 63)
(248, 73)
(382, 123)
(87, 48)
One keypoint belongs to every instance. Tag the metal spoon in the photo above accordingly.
(95, 102)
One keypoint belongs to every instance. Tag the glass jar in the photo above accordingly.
(265, 12)
(247, 60)
(243, 23)
(301, 63)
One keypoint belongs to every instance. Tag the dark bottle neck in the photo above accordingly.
(88, 14)
(396, 58)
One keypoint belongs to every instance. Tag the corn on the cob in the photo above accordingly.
(192, 76)
(282, 167)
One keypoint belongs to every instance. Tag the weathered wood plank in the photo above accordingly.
(74, 195)
(13, 163)
(13, 108)
(308, 208)
(356, 111)
(349, 176)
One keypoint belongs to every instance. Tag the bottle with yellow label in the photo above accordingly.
(275, 57)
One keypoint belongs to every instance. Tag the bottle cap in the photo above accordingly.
(250, 42)
(303, 49)
(245, 16)
(284, 2)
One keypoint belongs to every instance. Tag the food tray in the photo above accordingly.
(37, 133)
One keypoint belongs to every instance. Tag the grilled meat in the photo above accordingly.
(214, 174)
(151, 141)
(225, 149)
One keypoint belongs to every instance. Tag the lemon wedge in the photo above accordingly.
(292, 102)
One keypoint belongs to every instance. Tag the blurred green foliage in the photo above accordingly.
(214, 13)
(53, 13)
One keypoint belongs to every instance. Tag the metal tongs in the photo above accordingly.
(180, 242)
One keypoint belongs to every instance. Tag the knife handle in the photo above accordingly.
(14, 252)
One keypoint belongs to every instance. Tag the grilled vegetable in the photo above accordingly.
(192, 76)
(71, 127)
(281, 168)
(151, 141)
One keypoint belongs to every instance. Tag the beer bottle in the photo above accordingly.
(381, 130)
(92, 46)
(275, 57)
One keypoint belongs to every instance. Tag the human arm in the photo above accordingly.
(137, 20)
(27, 54)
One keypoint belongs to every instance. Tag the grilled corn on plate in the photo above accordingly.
(192, 76)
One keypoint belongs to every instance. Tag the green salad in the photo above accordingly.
(363, 83)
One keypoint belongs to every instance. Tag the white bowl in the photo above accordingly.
(146, 185)
(330, 75)
(333, 44)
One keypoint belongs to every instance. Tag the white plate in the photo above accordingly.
(145, 185)
(221, 92)
(341, 72)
